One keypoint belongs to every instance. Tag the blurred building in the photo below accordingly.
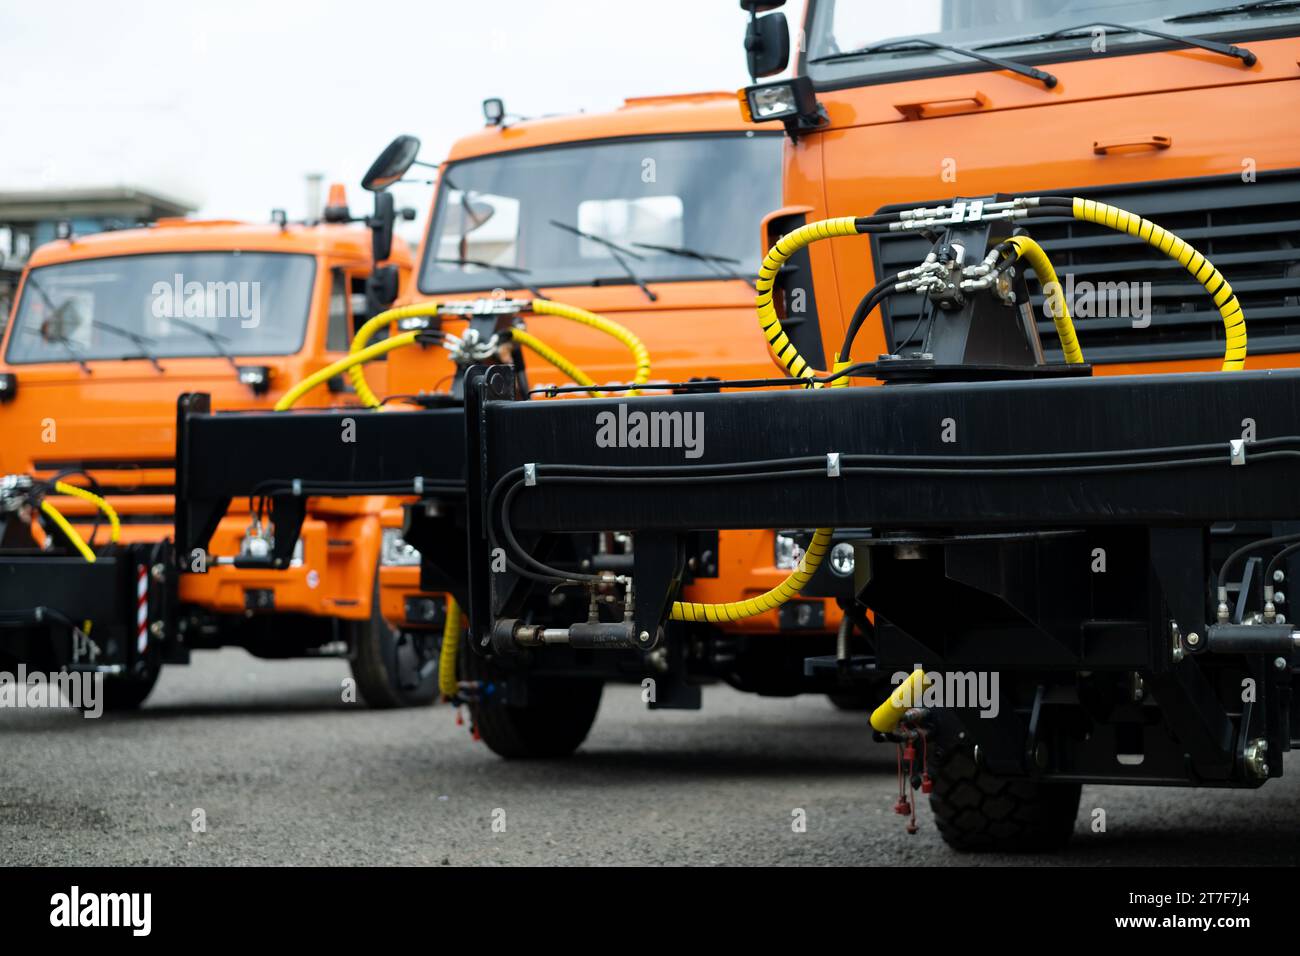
(31, 218)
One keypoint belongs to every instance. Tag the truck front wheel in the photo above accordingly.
(128, 691)
(555, 722)
(392, 667)
(977, 811)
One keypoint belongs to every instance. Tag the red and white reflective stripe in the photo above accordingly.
(142, 609)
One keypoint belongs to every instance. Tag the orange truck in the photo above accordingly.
(643, 221)
(107, 330)
(646, 215)
(1059, 259)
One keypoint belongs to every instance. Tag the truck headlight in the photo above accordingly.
(793, 102)
(256, 377)
(841, 560)
(394, 552)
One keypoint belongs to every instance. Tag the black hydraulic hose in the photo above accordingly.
(1253, 546)
(1278, 559)
(866, 304)
(542, 571)
(1062, 463)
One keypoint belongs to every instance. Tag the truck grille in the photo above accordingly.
(1251, 231)
(119, 479)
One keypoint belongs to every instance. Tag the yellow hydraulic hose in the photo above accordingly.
(639, 353)
(1234, 322)
(783, 592)
(1033, 254)
(77, 540)
(786, 354)
(554, 357)
(359, 341)
(448, 685)
(889, 715)
(342, 365)
(114, 524)
(794, 363)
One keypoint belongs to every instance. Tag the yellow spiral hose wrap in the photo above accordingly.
(1054, 298)
(357, 372)
(530, 341)
(351, 360)
(448, 685)
(786, 354)
(768, 601)
(77, 540)
(793, 363)
(1234, 321)
(640, 355)
(74, 491)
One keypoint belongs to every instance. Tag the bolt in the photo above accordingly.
(156, 628)
(1279, 576)
(1253, 757)
(644, 637)
(1279, 597)
(157, 572)
(1193, 639)
(1280, 663)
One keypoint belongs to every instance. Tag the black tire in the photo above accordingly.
(556, 721)
(128, 692)
(978, 812)
(392, 667)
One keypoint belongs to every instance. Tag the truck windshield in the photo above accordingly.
(166, 305)
(1011, 29)
(654, 210)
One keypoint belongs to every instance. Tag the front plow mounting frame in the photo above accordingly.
(965, 570)
(288, 457)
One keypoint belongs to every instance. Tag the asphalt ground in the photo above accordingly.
(286, 773)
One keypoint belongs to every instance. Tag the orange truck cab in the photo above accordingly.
(107, 330)
(645, 215)
(1195, 129)
(1156, 158)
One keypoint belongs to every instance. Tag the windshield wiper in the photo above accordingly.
(68, 344)
(506, 272)
(1227, 49)
(58, 312)
(903, 46)
(1235, 8)
(213, 338)
(140, 341)
(715, 262)
(616, 251)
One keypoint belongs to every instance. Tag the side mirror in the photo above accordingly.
(381, 289)
(391, 164)
(381, 227)
(767, 44)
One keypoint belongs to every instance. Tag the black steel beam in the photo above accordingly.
(1047, 416)
(352, 451)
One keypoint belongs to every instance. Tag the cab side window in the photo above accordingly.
(339, 333)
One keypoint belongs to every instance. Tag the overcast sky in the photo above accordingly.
(229, 104)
